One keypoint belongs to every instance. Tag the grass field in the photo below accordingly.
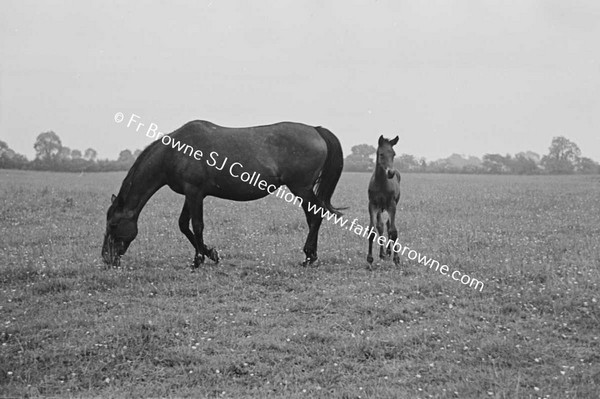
(259, 325)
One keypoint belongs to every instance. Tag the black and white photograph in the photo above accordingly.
(299, 199)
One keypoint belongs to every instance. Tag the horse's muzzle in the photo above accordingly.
(110, 252)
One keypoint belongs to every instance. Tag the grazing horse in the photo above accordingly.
(384, 193)
(219, 163)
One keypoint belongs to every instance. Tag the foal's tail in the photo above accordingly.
(331, 172)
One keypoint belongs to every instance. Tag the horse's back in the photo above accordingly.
(284, 138)
(283, 153)
(203, 127)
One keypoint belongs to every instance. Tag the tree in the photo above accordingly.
(364, 150)
(360, 160)
(47, 146)
(523, 165)
(75, 154)
(64, 154)
(459, 162)
(563, 156)
(10, 159)
(90, 154)
(587, 166)
(126, 157)
(439, 166)
(137, 153)
(406, 162)
(531, 155)
(496, 163)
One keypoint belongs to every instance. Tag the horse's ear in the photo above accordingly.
(380, 142)
(394, 141)
(113, 198)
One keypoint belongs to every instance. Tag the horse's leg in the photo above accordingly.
(371, 237)
(184, 224)
(392, 231)
(314, 223)
(380, 231)
(196, 204)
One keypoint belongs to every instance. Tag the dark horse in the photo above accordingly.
(384, 194)
(308, 160)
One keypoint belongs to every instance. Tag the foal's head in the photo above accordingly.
(121, 229)
(385, 155)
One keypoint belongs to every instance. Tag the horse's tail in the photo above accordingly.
(331, 172)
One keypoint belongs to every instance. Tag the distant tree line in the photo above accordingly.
(51, 154)
(564, 157)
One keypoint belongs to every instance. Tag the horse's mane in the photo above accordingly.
(128, 181)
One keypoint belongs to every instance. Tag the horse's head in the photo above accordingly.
(121, 230)
(385, 155)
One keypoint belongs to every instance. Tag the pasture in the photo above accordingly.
(259, 325)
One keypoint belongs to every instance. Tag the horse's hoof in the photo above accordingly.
(310, 262)
(213, 255)
(397, 261)
(370, 259)
(198, 260)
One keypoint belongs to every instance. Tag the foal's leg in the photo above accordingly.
(388, 251)
(197, 210)
(371, 237)
(380, 231)
(392, 231)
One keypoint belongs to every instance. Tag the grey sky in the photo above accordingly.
(470, 77)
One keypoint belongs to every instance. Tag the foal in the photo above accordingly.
(384, 193)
